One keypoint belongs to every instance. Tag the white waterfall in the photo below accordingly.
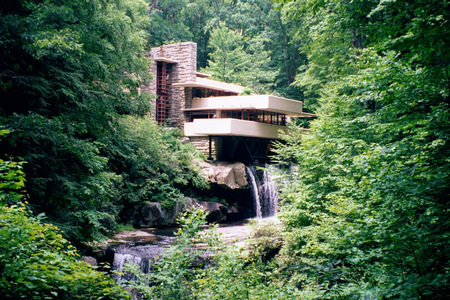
(141, 255)
(264, 192)
(270, 193)
(120, 260)
(254, 187)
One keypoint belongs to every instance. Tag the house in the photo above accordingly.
(214, 117)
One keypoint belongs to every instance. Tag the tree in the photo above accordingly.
(365, 210)
(70, 87)
(70, 69)
(38, 263)
(322, 34)
(286, 56)
(231, 62)
(266, 37)
(166, 23)
(35, 261)
(153, 163)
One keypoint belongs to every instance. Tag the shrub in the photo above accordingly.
(174, 272)
(37, 263)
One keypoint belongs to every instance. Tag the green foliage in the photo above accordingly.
(199, 266)
(68, 177)
(70, 70)
(12, 179)
(166, 25)
(124, 227)
(263, 54)
(365, 211)
(250, 270)
(174, 272)
(332, 33)
(328, 41)
(236, 277)
(229, 58)
(36, 262)
(8, 171)
(417, 30)
(264, 239)
(232, 62)
(153, 162)
(92, 183)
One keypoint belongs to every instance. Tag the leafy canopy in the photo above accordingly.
(36, 262)
(71, 71)
(366, 209)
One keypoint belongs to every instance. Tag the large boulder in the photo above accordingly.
(225, 174)
(89, 260)
(234, 214)
(217, 212)
(151, 214)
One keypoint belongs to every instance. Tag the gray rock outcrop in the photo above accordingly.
(225, 174)
(89, 260)
(217, 212)
(151, 214)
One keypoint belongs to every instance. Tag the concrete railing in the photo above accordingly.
(261, 102)
(232, 127)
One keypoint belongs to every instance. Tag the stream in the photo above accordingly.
(143, 246)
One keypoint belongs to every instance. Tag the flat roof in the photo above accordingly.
(212, 84)
(259, 102)
(199, 74)
(222, 108)
(167, 60)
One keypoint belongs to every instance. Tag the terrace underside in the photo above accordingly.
(234, 148)
(245, 149)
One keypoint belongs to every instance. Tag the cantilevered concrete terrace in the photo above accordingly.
(231, 127)
(260, 102)
(260, 116)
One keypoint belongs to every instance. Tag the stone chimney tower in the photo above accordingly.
(175, 63)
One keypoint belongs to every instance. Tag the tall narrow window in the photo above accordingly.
(162, 110)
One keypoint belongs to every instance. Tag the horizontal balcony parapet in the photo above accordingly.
(261, 102)
(232, 127)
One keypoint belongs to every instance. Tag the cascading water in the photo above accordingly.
(270, 193)
(122, 259)
(254, 187)
(264, 192)
(144, 252)
(141, 253)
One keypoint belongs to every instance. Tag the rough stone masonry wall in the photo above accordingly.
(188, 97)
(183, 71)
(202, 145)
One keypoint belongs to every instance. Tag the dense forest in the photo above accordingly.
(364, 206)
